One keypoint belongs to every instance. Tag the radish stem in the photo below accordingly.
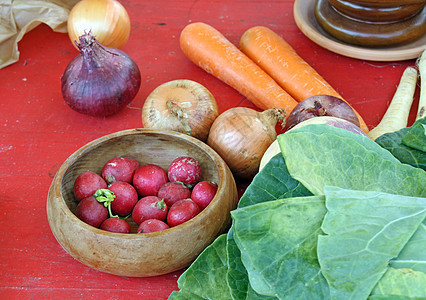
(105, 196)
(396, 116)
(421, 64)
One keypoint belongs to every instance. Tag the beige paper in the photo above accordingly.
(17, 17)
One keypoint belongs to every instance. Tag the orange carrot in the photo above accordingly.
(277, 58)
(210, 50)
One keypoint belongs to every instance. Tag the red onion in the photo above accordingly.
(99, 81)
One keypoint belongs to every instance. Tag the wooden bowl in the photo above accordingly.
(148, 254)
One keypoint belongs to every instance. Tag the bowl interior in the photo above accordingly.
(146, 146)
(148, 254)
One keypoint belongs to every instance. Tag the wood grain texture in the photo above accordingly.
(38, 131)
(140, 255)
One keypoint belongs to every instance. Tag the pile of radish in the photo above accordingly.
(155, 199)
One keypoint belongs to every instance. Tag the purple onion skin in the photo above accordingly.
(321, 105)
(100, 81)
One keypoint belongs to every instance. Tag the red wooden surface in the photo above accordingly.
(38, 131)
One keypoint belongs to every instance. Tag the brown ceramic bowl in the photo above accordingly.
(385, 3)
(370, 13)
(363, 32)
(149, 254)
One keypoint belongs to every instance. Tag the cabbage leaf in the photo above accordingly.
(416, 135)
(407, 144)
(273, 182)
(273, 249)
(410, 257)
(401, 283)
(336, 157)
(205, 278)
(279, 251)
(363, 231)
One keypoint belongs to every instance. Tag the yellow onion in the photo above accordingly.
(107, 20)
(181, 105)
(241, 136)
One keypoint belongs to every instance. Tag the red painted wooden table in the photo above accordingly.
(38, 131)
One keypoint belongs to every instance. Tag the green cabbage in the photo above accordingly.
(334, 216)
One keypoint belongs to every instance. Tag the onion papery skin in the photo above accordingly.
(241, 136)
(99, 81)
(181, 105)
(108, 21)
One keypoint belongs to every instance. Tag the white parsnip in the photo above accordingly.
(396, 116)
(421, 64)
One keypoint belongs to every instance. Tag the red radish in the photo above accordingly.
(90, 211)
(119, 169)
(126, 198)
(152, 225)
(86, 184)
(203, 193)
(148, 179)
(182, 211)
(149, 207)
(173, 191)
(115, 225)
(185, 169)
